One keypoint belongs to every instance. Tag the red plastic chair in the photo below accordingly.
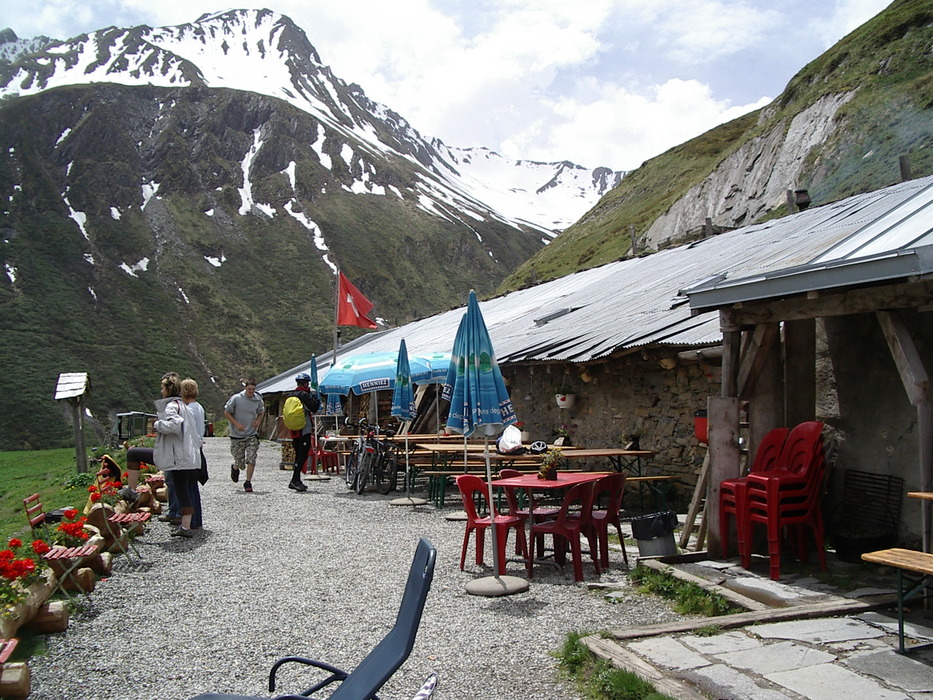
(469, 485)
(732, 491)
(567, 528)
(789, 496)
(539, 513)
(613, 487)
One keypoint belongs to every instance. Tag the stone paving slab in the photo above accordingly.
(668, 651)
(720, 643)
(895, 670)
(780, 656)
(819, 631)
(832, 682)
(720, 681)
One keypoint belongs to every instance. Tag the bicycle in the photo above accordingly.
(372, 460)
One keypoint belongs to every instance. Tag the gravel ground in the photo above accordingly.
(317, 574)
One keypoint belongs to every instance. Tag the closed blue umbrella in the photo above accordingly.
(403, 408)
(479, 402)
(403, 398)
(312, 372)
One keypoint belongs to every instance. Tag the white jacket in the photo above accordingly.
(178, 443)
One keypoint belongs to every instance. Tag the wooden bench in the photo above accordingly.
(919, 566)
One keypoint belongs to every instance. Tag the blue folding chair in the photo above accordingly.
(385, 659)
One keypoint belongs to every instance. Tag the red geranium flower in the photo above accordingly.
(71, 513)
(14, 543)
(40, 547)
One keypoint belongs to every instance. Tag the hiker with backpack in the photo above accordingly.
(299, 406)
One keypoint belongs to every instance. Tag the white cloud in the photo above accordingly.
(599, 82)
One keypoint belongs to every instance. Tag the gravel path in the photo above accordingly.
(316, 574)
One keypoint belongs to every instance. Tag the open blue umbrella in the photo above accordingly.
(438, 362)
(479, 402)
(368, 372)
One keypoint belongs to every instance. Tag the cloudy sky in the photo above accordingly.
(597, 82)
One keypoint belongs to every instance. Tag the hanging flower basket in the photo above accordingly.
(565, 400)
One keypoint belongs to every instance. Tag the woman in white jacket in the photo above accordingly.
(177, 447)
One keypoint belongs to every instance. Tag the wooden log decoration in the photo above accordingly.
(51, 617)
(15, 680)
(37, 595)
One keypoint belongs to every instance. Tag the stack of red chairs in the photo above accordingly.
(732, 496)
(787, 497)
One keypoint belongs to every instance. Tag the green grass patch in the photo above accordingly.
(597, 679)
(688, 597)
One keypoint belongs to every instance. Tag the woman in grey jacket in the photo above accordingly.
(177, 447)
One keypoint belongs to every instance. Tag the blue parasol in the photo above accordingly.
(403, 408)
(403, 398)
(478, 399)
(479, 402)
(438, 362)
(368, 372)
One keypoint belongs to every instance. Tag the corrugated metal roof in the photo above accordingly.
(873, 237)
(638, 302)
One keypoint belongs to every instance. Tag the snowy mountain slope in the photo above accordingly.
(262, 51)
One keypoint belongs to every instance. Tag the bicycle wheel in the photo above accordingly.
(385, 475)
(351, 469)
(392, 469)
(362, 474)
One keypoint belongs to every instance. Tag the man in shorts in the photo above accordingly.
(244, 411)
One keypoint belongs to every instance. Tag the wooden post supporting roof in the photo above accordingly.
(723, 422)
(917, 385)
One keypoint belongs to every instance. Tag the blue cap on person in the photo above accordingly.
(303, 377)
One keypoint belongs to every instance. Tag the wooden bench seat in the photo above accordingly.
(920, 576)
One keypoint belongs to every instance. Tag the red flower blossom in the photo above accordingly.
(40, 547)
(14, 543)
(95, 497)
(71, 513)
(6, 555)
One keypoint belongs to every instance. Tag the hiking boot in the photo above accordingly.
(234, 473)
(297, 486)
(128, 494)
(248, 486)
(182, 532)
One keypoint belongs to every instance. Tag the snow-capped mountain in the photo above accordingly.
(265, 52)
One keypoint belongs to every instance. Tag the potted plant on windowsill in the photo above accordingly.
(565, 396)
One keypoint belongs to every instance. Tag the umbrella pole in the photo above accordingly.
(492, 509)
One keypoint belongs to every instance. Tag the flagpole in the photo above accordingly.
(333, 359)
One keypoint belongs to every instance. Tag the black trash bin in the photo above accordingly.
(655, 533)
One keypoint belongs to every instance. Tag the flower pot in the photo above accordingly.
(548, 472)
(565, 400)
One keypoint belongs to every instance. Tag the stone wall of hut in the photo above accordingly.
(649, 398)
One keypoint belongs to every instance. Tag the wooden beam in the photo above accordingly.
(906, 357)
(907, 295)
(799, 371)
(731, 348)
(723, 421)
(755, 357)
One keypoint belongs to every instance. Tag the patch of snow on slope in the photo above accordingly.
(246, 191)
(131, 270)
(216, 262)
(149, 190)
(318, 147)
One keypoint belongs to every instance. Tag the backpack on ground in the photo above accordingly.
(293, 413)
